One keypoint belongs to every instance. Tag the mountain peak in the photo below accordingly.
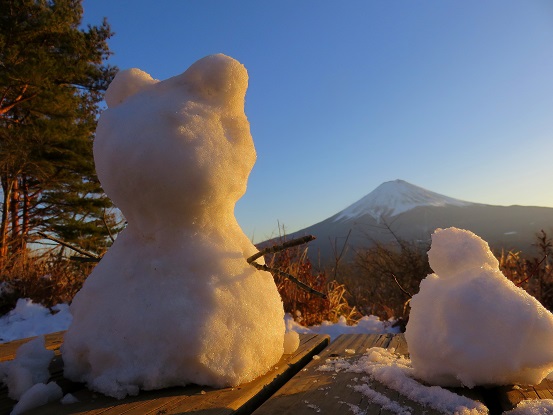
(395, 197)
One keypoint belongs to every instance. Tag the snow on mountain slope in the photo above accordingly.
(395, 197)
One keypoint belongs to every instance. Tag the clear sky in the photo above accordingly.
(455, 96)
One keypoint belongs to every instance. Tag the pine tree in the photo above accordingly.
(52, 78)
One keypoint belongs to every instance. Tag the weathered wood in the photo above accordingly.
(510, 396)
(308, 392)
(399, 344)
(53, 342)
(312, 390)
(191, 399)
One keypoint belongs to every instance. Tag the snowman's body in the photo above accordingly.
(469, 325)
(174, 301)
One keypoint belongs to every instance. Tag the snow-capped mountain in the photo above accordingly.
(395, 197)
(398, 209)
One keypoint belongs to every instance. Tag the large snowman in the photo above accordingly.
(174, 301)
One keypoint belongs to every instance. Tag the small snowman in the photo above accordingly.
(174, 301)
(469, 325)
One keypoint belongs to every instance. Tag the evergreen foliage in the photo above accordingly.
(52, 78)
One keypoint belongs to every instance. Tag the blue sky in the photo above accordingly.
(455, 96)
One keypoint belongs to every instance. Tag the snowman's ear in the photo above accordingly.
(217, 78)
(126, 83)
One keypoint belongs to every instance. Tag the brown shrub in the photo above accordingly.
(47, 280)
(306, 308)
(534, 274)
(381, 278)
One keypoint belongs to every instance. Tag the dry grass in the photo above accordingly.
(379, 278)
(48, 280)
(534, 274)
(309, 309)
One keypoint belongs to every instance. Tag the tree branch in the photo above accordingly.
(74, 248)
(17, 101)
(282, 247)
(401, 288)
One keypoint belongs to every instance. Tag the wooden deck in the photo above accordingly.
(179, 400)
(294, 386)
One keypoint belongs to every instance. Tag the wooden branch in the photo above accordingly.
(83, 259)
(17, 101)
(290, 277)
(401, 288)
(532, 273)
(74, 248)
(274, 271)
(107, 227)
(281, 247)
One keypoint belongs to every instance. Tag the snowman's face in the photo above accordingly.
(176, 145)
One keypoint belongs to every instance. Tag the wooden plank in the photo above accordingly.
(191, 399)
(399, 344)
(314, 391)
(53, 342)
(510, 396)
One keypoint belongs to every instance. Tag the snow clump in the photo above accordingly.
(29, 367)
(396, 373)
(532, 407)
(469, 325)
(38, 395)
(29, 319)
(27, 374)
(174, 301)
(365, 325)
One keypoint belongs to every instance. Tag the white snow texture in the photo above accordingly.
(365, 325)
(396, 373)
(29, 367)
(393, 198)
(469, 325)
(38, 395)
(30, 319)
(532, 407)
(174, 301)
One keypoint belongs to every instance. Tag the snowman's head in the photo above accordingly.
(172, 150)
(455, 251)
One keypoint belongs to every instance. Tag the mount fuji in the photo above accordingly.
(398, 209)
(393, 198)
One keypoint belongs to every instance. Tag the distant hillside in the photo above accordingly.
(413, 213)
